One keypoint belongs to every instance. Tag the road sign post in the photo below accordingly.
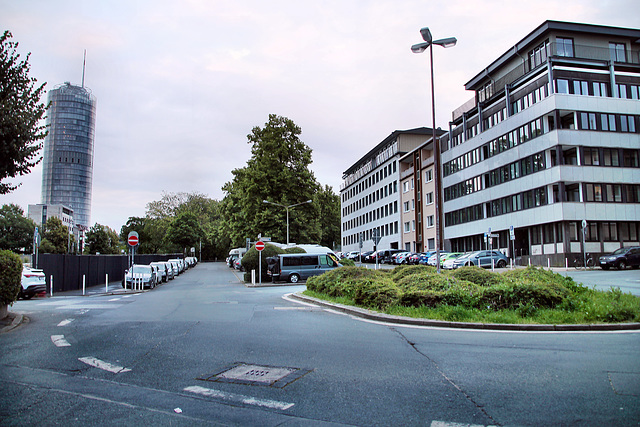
(376, 239)
(260, 248)
(133, 239)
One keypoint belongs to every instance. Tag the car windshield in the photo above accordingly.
(620, 251)
(141, 269)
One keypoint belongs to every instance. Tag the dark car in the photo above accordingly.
(621, 258)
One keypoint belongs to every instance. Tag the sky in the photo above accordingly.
(180, 84)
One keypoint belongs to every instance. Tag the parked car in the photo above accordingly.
(421, 258)
(237, 264)
(170, 273)
(180, 263)
(296, 267)
(161, 272)
(449, 263)
(449, 257)
(140, 273)
(482, 259)
(353, 255)
(33, 283)
(621, 258)
(402, 258)
(432, 259)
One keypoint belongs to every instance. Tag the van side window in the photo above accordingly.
(327, 260)
(309, 260)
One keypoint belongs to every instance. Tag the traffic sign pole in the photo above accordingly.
(260, 248)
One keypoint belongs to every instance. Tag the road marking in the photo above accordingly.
(88, 307)
(59, 341)
(448, 424)
(114, 299)
(97, 363)
(238, 398)
(65, 322)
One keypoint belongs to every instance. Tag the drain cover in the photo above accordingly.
(242, 373)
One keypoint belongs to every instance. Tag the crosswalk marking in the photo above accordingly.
(60, 341)
(97, 363)
(238, 398)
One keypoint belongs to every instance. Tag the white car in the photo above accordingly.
(33, 283)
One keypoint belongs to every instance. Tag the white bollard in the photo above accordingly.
(529, 262)
(253, 277)
(549, 263)
(83, 283)
(566, 263)
(51, 283)
(106, 283)
(511, 262)
(492, 264)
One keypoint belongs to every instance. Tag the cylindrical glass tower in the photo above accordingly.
(67, 173)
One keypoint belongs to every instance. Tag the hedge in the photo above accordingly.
(10, 277)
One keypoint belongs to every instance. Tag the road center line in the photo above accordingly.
(97, 363)
(59, 341)
(238, 398)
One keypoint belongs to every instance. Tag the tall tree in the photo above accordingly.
(185, 230)
(20, 113)
(278, 171)
(16, 230)
(102, 239)
(329, 217)
(55, 237)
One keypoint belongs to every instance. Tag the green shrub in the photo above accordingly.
(347, 262)
(432, 289)
(340, 282)
(377, 292)
(294, 250)
(10, 277)
(403, 271)
(517, 294)
(477, 275)
(250, 260)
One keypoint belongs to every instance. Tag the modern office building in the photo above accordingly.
(68, 151)
(41, 213)
(549, 143)
(371, 194)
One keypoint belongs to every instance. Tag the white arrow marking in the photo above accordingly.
(59, 341)
(238, 398)
(65, 322)
(97, 363)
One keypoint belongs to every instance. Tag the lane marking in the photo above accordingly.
(88, 307)
(114, 299)
(97, 363)
(238, 398)
(450, 424)
(59, 341)
(65, 322)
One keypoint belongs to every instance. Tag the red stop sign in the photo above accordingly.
(259, 246)
(133, 240)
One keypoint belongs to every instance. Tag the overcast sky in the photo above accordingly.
(180, 84)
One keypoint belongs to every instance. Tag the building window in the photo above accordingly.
(617, 52)
(428, 175)
(429, 198)
(407, 227)
(405, 186)
(562, 86)
(430, 221)
(406, 207)
(593, 192)
(600, 89)
(564, 46)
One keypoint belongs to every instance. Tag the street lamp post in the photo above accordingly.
(419, 48)
(287, 208)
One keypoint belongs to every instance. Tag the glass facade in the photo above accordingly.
(68, 151)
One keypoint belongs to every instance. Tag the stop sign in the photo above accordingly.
(133, 239)
(259, 246)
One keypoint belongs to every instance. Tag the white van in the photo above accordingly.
(296, 267)
(235, 254)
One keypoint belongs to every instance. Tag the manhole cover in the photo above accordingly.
(242, 373)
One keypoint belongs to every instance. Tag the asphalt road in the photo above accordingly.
(206, 350)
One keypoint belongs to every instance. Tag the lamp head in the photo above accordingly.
(426, 34)
(448, 42)
(420, 47)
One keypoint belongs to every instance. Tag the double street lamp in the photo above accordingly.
(419, 48)
(287, 207)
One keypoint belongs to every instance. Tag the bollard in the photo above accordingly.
(529, 262)
(549, 263)
(253, 277)
(566, 263)
(83, 283)
(51, 283)
(106, 283)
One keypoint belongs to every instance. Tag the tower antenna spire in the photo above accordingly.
(84, 63)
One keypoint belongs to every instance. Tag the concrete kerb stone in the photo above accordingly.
(387, 318)
(18, 319)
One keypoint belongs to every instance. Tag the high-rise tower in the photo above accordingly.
(68, 151)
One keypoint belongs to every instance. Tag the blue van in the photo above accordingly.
(296, 267)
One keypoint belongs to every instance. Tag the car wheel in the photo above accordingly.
(502, 263)
(622, 265)
(294, 278)
(468, 264)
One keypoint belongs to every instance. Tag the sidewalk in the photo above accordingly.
(114, 288)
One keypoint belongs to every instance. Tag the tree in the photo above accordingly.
(278, 171)
(102, 239)
(55, 237)
(20, 113)
(16, 230)
(185, 230)
(329, 205)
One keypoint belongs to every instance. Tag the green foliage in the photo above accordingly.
(294, 250)
(20, 115)
(16, 230)
(347, 262)
(278, 171)
(102, 239)
(10, 277)
(55, 237)
(531, 295)
(477, 275)
(185, 230)
(250, 260)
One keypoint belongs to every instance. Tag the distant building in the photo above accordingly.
(550, 139)
(68, 151)
(41, 213)
(370, 194)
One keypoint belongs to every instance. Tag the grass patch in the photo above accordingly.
(471, 294)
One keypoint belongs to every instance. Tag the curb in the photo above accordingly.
(400, 320)
(18, 319)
